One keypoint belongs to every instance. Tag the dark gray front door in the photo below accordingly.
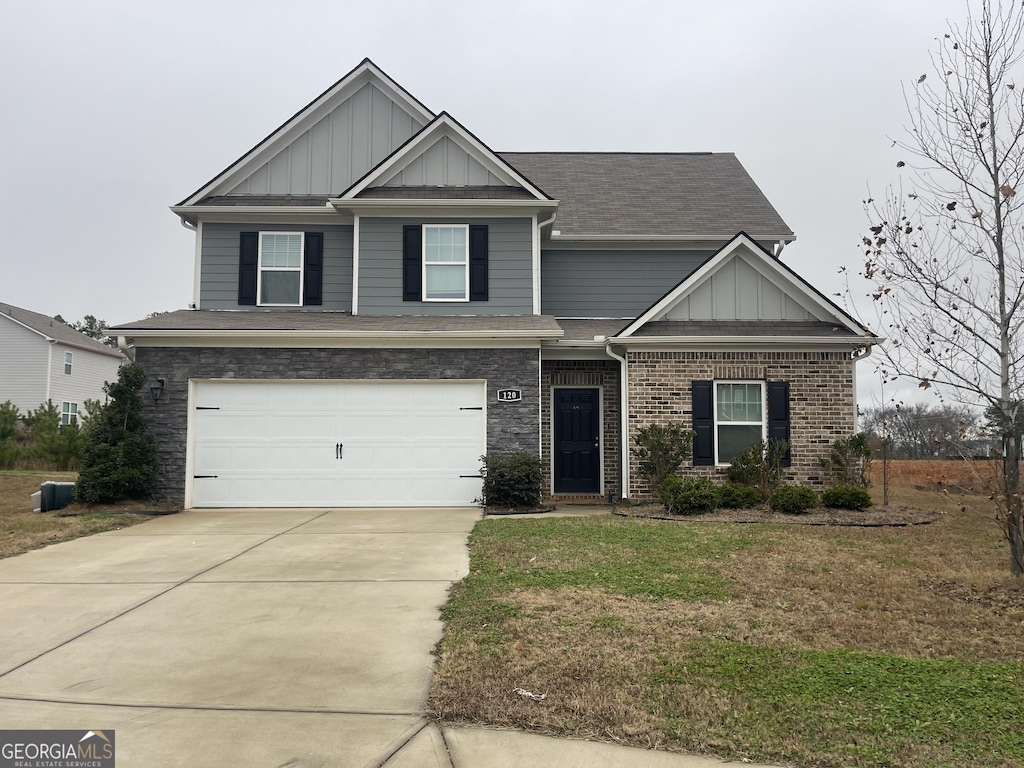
(577, 435)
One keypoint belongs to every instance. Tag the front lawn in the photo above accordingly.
(803, 645)
(21, 529)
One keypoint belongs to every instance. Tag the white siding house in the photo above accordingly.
(43, 359)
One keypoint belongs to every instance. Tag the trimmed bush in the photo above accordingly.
(847, 497)
(688, 496)
(793, 499)
(737, 496)
(660, 449)
(511, 480)
(759, 466)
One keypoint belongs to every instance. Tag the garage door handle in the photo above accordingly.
(339, 450)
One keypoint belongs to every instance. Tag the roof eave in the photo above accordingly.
(390, 206)
(853, 342)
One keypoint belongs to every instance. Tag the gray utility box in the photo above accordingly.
(53, 495)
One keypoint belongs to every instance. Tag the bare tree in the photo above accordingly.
(945, 254)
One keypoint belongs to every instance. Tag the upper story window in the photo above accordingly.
(739, 417)
(68, 358)
(446, 262)
(280, 269)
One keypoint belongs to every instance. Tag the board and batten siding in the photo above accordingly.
(23, 360)
(510, 269)
(89, 372)
(738, 291)
(325, 160)
(610, 283)
(218, 287)
(444, 164)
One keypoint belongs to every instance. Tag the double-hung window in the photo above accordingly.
(446, 262)
(280, 269)
(68, 359)
(739, 417)
(68, 413)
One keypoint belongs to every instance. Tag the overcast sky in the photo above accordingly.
(115, 110)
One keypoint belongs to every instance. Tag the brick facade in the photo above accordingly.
(821, 397)
(584, 373)
(510, 426)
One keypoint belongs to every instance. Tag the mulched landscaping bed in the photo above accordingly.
(865, 518)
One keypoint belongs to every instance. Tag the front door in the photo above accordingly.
(577, 436)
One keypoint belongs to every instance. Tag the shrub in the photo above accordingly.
(759, 466)
(737, 496)
(849, 460)
(9, 434)
(118, 452)
(511, 480)
(688, 496)
(847, 497)
(660, 449)
(793, 499)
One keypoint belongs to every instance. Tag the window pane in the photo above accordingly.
(279, 288)
(739, 402)
(445, 282)
(282, 250)
(445, 245)
(732, 439)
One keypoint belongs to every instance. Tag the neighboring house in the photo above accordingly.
(380, 299)
(43, 359)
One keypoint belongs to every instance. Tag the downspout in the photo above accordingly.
(122, 344)
(856, 359)
(623, 415)
(536, 259)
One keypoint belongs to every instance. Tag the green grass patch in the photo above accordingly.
(621, 556)
(810, 706)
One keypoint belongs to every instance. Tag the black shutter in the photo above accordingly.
(313, 270)
(412, 262)
(778, 415)
(248, 267)
(703, 424)
(478, 262)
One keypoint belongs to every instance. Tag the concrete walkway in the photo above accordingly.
(255, 638)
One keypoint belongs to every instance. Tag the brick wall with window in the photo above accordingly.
(821, 399)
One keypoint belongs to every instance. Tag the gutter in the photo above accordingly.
(623, 415)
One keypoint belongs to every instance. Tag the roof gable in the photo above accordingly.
(329, 143)
(743, 282)
(443, 154)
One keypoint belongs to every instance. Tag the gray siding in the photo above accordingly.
(737, 291)
(510, 269)
(445, 164)
(616, 283)
(89, 372)
(338, 150)
(23, 359)
(218, 288)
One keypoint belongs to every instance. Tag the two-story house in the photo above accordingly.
(380, 298)
(43, 359)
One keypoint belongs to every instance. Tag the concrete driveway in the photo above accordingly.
(237, 637)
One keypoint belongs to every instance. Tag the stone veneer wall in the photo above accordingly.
(584, 373)
(510, 426)
(821, 399)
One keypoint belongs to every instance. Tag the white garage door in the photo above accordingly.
(336, 443)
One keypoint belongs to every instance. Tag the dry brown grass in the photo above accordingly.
(21, 529)
(929, 592)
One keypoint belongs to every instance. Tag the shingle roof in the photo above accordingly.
(743, 328)
(281, 200)
(586, 330)
(447, 193)
(287, 320)
(55, 329)
(626, 193)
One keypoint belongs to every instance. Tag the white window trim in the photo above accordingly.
(71, 411)
(714, 411)
(69, 361)
(259, 267)
(423, 261)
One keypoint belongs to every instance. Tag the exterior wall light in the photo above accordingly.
(156, 388)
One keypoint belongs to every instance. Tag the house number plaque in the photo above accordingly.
(510, 395)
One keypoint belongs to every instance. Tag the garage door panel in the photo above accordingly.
(274, 444)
